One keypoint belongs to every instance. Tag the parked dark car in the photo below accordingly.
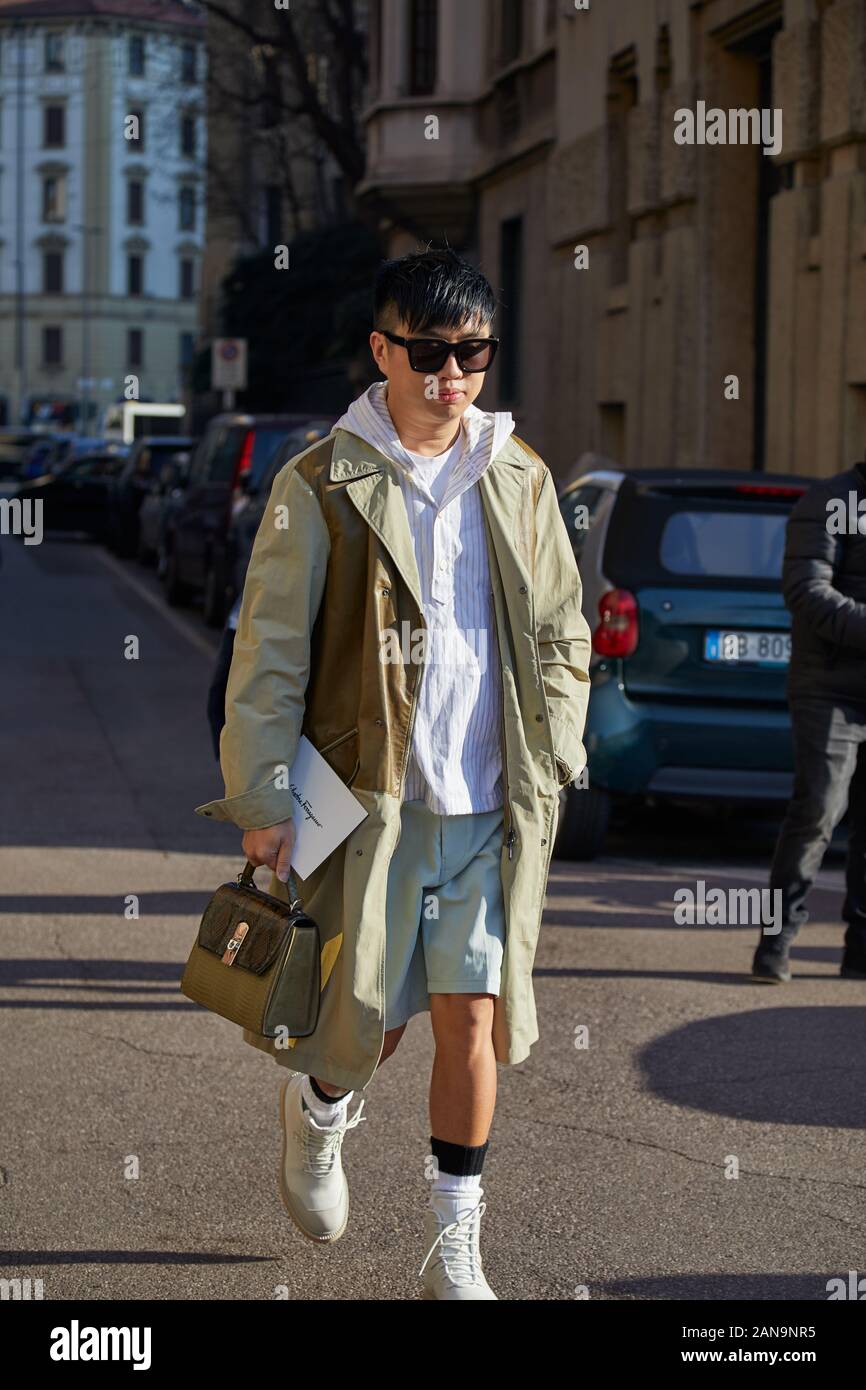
(45, 455)
(15, 445)
(162, 497)
(681, 575)
(248, 509)
(233, 455)
(76, 497)
(142, 469)
(53, 451)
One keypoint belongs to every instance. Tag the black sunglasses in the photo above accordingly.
(431, 354)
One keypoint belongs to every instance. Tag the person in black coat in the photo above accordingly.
(824, 583)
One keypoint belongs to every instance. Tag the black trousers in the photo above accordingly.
(830, 774)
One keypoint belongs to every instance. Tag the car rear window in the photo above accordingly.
(264, 444)
(728, 545)
(226, 455)
(151, 458)
(161, 453)
(661, 538)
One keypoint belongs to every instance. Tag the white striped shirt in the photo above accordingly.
(455, 762)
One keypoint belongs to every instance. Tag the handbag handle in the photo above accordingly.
(246, 880)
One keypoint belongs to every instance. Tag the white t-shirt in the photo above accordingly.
(435, 471)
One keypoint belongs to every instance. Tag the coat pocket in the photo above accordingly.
(341, 754)
(335, 742)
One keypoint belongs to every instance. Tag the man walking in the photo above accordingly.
(824, 582)
(413, 607)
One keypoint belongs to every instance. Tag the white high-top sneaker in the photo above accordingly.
(455, 1270)
(313, 1185)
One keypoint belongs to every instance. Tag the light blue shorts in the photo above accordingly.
(445, 917)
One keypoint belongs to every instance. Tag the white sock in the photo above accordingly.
(451, 1194)
(326, 1116)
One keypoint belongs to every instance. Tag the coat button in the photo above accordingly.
(359, 851)
(539, 719)
(523, 588)
(386, 593)
(380, 721)
(544, 842)
(208, 813)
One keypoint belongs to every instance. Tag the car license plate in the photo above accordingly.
(760, 648)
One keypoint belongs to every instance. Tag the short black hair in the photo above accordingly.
(431, 289)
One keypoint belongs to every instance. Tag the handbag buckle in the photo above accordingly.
(235, 944)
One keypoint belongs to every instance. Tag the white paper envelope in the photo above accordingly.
(325, 811)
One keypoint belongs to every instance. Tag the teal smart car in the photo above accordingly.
(681, 574)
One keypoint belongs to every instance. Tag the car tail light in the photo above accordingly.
(769, 490)
(617, 632)
(245, 463)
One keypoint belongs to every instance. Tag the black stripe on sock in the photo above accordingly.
(461, 1160)
(323, 1095)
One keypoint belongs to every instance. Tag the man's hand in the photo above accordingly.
(272, 847)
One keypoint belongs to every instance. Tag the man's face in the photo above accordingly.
(442, 395)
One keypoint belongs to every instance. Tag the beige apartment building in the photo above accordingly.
(694, 304)
(102, 203)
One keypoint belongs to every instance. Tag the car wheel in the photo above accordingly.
(584, 816)
(214, 608)
(175, 592)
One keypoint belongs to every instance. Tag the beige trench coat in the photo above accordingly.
(332, 568)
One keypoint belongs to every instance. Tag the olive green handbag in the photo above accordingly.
(256, 960)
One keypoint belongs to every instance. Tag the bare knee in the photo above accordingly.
(464, 1020)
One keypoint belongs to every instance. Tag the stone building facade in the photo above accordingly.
(664, 303)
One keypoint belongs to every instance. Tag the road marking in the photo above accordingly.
(173, 619)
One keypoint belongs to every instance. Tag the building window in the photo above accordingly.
(52, 272)
(187, 278)
(622, 96)
(375, 46)
(54, 127)
(188, 63)
(186, 208)
(511, 276)
(271, 96)
(187, 135)
(138, 143)
(135, 202)
(135, 275)
(135, 53)
(54, 198)
(273, 198)
(135, 347)
(512, 30)
(52, 347)
(54, 61)
(508, 106)
(423, 24)
(187, 349)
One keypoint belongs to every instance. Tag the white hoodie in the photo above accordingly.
(456, 761)
(370, 419)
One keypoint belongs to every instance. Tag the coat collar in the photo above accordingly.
(353, 457)
(375, 490)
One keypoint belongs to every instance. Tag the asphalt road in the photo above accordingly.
(140, 1139)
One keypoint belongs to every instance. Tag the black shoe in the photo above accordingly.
(853, 965)
(771, 964)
